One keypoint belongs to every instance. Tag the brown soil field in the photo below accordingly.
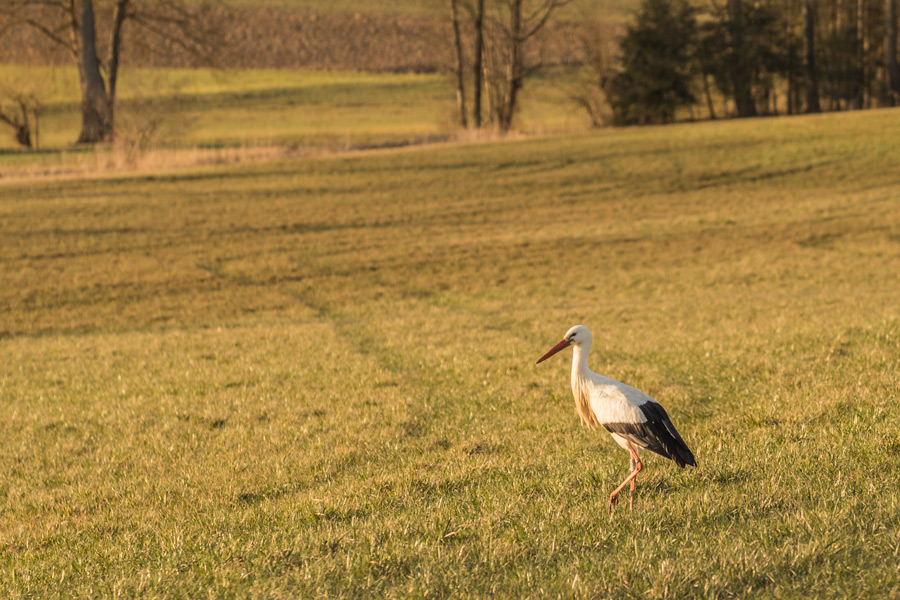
(265, 38)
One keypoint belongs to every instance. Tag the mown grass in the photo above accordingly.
(315, 378)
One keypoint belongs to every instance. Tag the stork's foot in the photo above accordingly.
(613, 501)
(614, 497)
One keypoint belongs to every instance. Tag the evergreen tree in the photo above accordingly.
(657, 64)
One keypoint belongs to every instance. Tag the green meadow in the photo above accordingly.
(315, 378)
(189, 108)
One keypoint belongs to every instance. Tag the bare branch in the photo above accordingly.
(181, 39)
(54, 36)
(549, 7)
(7, 119)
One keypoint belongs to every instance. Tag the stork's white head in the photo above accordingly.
(579, 335)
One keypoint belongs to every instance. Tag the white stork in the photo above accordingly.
(632, 417)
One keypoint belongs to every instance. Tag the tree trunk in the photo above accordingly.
(812, 91)
(460, 84)
(115, 43)
(708, 95)
(95, 122)
(790, 84)
(891, 71)
(740, 77)
(788, 22)
(490, 88)
(23, 136)
(861, 54)
(513, 67)
(477, 69)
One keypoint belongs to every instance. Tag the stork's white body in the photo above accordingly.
(608, 400)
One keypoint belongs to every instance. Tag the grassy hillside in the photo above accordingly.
(315, 378)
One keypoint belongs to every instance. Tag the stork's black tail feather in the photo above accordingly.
(683, 456)
(673, 445)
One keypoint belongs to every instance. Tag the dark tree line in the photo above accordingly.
(747, 58)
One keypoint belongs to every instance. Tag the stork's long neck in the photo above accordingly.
(580, 362)
(581, 383)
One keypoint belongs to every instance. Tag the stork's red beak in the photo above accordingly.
(562, 344)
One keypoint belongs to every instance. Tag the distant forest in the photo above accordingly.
(741, 58)
(686, 59)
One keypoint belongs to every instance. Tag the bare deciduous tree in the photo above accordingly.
(892, 72)
(73, 26)
(812, 90)
(514, 28)
(477, 62)
(597, 67)
(501, 31)
(460, 65)
(22, 116)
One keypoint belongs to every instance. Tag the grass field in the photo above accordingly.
(315, 378)
(215, 108)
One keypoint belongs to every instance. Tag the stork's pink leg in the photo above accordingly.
(631, 496)
(614, 497)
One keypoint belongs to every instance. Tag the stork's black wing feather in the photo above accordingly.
(656, 434)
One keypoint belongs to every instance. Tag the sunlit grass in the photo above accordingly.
(316, 377)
